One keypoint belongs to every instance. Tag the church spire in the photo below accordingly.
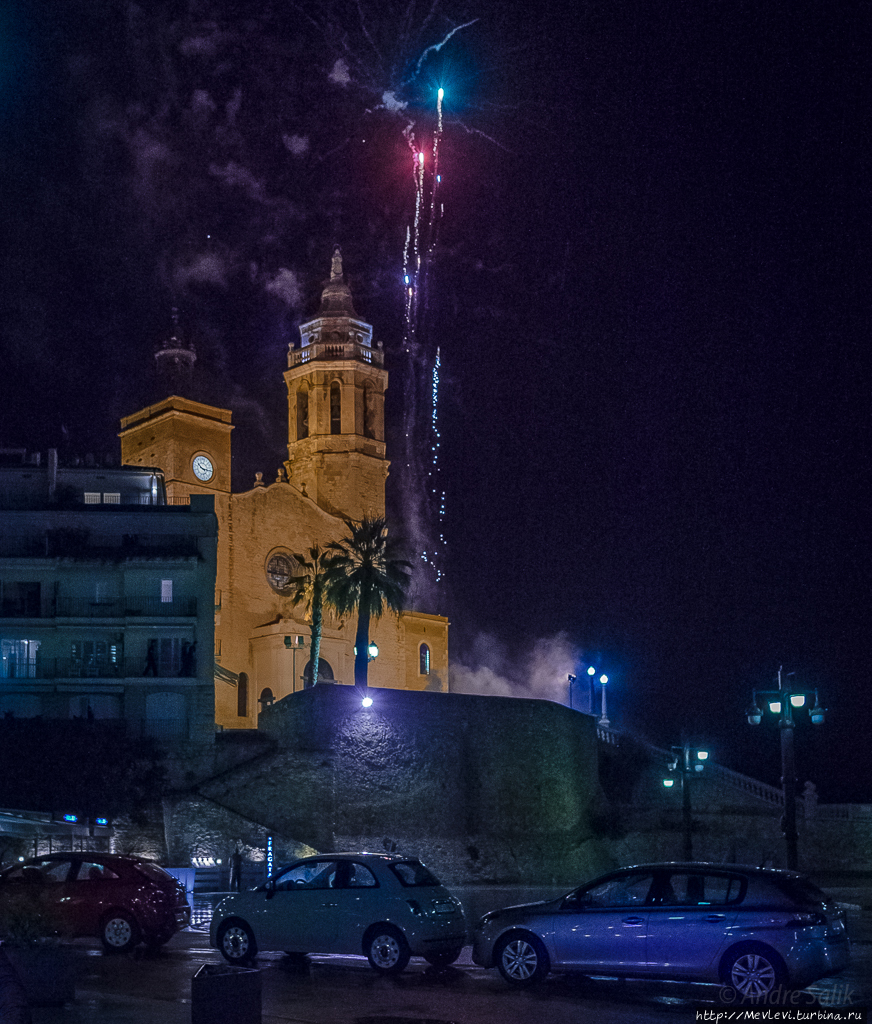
(336, 297)
(175, 360)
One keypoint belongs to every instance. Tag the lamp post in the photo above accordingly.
(603, 680)
(687, 762)
(782, 702)
(293, 644)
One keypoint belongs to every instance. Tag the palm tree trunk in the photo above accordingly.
(361, 644)
(316, 634)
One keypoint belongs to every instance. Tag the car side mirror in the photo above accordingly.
(270, 888)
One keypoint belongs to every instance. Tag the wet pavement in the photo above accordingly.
(148, 988)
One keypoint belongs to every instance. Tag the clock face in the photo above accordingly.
(203, 468)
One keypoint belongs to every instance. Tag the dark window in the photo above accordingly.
(368, 413)
(19, 600)
(302, 414)
(335, 408)
(622, 891)
(360, 877)
(412, 873)
(242, 695)
(90, 871)
(424, 658)
(318, 874)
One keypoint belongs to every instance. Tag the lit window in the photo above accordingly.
(92, 497)
(110, 498)
(166, 591)
(424, 654)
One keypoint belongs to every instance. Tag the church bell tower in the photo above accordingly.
(336, 386)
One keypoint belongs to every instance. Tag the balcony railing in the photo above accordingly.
(81, 544)
(118, 608)
(85, 668)
(331, 350)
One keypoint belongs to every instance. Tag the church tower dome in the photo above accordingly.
(174, 359)
(336, 384)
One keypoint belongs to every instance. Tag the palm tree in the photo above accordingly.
(367, 575)
(308, 589)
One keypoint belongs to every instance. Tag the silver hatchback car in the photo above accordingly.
(383, 906)
(750, 928)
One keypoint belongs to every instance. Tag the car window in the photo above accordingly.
(412, 873)
(802, 891)
(319, 874)
(154, 872)
(695, 889)
(90, 871)
(360, 877)
(623, 891)
(41, 872)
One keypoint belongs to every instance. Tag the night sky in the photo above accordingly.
(650, 293)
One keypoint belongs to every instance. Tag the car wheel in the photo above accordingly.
(119, 932)
(442, 959)
(754, 971)
(236, 942)
(386, 949)
(522, 959)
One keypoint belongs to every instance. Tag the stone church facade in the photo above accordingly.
(335, 471)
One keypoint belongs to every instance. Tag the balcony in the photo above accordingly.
(82, 545)
(118, 608)
(40, 668)
(333, 350)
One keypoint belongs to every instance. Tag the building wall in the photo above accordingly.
(101, 576)
(486, 789)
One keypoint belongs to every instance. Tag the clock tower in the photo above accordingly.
(188, 440)
(336, 385)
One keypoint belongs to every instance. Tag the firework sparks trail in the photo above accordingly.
(424, 501)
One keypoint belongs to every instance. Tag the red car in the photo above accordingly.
(122, 900)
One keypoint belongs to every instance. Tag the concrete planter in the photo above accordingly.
(46, 971)
(222, 993)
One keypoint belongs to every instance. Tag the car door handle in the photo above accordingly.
(715, 917)
(634, 920)
(329, 904)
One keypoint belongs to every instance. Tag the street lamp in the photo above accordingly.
(687, 762)
(603, 680)
(293, 644)
(782, 702)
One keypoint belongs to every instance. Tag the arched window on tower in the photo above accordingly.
(335, 408)
(368, 412)
(424, 658)
(302, 413)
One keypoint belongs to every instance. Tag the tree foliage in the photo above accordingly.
(366, 575)
(307, 589)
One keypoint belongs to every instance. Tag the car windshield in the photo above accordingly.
(412, 873)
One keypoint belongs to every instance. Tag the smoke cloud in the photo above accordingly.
(542, 674)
